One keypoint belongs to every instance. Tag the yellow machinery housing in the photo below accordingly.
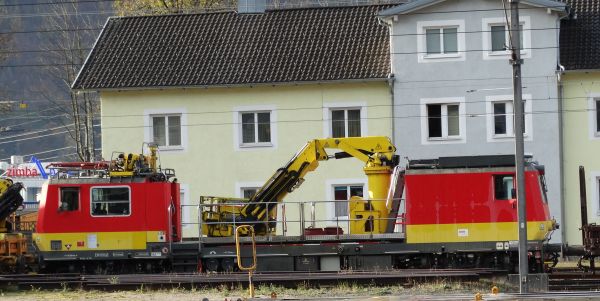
(367, 215)
(13, 246)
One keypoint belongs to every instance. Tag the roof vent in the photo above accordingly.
(251, 6)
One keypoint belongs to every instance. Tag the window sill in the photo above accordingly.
(441, 56)
(256, 145)
(507, 137)
(503, 53)
(441, 139)
(431, 58)
(170, 148)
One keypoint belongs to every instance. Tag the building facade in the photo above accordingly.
(453, 81)
(230, 98)
(580, 86)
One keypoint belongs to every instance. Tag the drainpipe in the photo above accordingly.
(391, 79)
(560, 93)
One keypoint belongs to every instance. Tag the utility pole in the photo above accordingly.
(519, 144)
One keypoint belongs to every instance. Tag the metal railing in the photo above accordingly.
(295, 218)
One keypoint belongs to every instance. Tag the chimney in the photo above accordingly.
(251, 6)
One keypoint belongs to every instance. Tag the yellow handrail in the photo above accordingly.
(251, 268)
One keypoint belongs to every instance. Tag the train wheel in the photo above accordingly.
(227, 265)
(212, 265)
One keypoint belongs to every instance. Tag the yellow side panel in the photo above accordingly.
(97, 240)
(474, 232)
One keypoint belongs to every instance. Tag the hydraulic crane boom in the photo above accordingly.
(377, 152)
(10, 200)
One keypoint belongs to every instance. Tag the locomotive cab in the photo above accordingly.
(89, 222)
(469, 203)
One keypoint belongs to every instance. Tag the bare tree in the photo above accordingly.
(66, 53)
(154, 7)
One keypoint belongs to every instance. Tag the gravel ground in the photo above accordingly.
(350, 291)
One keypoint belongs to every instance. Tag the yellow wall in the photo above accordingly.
(211, 165)
(580, 148)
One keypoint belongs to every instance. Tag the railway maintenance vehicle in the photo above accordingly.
(124, 215)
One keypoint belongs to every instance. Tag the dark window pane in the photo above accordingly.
(498, 34)
(353, 123)
(248, 128)
(450, 40)
(503, 187)
(356, 191)
(341, 195)
(523, 117)
(499, 118)
(597, 115)
(453, 121)
(174, 130)
(434, 118)
(433, 41)
(69, 199)
(110, 201)
(521, 36)
(158, 131)
(264, 127)
(338, 124)
(248, 192)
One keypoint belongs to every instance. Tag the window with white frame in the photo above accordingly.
(443, 120)
(597, 191)
(496, 38)
(255, 128)
(594, 177)
(110, 201)
(500, 37)
(345, 122)
(500, 117)
(593, 108)
(504, 118)
(597, 113)
(166, 130)
(341, 196)
(440, 40)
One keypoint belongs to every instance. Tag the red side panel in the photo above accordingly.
(176, 214)
(149, 210)
(466, 198)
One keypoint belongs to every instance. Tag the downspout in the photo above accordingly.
(391, 80)
(560, 93)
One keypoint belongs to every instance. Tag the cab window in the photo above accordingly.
(110, 201)
(543, 188)
(69, 199)
(504, 187)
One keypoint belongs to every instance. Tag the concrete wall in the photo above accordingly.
(474, 77)
(581, 147)
(211, 163)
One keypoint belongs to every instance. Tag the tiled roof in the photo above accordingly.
(580, 36)
(214, 49)
(415, 5)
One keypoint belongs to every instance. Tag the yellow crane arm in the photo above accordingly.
(377, 152)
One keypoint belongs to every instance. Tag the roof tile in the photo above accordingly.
(295, 45)
(580, 36)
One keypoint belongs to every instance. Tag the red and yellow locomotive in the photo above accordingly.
(124, 216)
(121, 216)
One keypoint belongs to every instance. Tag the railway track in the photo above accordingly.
(573, 280)
(134, 281)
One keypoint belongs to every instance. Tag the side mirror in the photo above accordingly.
(513, 193)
